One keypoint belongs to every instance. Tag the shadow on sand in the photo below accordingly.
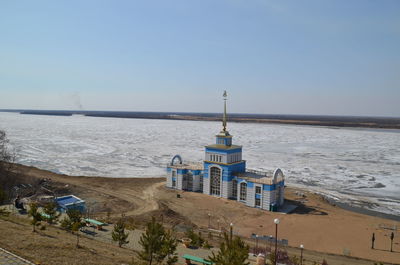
(303, 209)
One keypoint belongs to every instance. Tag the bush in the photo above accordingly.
(197, 240)
(207, 245)
(283, 257)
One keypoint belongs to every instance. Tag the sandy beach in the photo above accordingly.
(316, 224)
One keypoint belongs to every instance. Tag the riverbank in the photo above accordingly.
(313, 120)
(317, 224)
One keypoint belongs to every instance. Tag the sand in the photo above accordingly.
(316, 224)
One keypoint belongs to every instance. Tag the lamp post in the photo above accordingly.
(276, 221)
(231, 231)
(301, 254)
(391, 241)
(256, 245)
(266, 244)
(209, 220)
(373, 240)
(270, 243)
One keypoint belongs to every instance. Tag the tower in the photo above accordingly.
(222, 159)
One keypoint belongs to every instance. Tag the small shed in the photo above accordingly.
(70, 202)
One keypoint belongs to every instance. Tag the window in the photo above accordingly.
(258, 202)
(215, 181)
(258, 190)
(173, 183)
(234, 188)
(173, 173)
(201, 183)
(189, 184)
(243, 191)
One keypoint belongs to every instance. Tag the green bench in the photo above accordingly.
(99, 225)
(45, 215)
(188, 257)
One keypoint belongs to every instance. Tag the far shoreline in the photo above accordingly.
(311, 120)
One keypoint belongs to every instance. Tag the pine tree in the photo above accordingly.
(75, 228)
(36, 217)
(119, 235)
(66, 224)
(73, 222)
(3, 196)
(151, 241)
(169, 248)
(157, 244)
(233, 251)
(51, 210)
(197, 240)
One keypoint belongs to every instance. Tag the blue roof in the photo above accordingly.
(66, 200)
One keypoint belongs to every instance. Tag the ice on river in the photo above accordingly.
(355, 165)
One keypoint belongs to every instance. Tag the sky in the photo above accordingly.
(322, 57)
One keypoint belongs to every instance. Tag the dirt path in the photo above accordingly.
(150, 203)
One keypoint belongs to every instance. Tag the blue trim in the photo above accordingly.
(258, 196)
(174, 178)
(269, 187)
(250, 184)
(181, 171)
(224, 151)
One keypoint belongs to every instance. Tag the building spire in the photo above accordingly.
(224, 117)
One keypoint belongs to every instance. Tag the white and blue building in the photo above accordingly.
(223, 174)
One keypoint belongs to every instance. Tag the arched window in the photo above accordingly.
(234, 188)
(243, 191)
(215, 181)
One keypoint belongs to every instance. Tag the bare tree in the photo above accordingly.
(7, 158)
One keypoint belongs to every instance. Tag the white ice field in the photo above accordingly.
(359, 166)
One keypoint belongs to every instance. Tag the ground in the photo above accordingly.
(322, 228)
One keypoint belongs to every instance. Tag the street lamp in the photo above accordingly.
(276, 221)
(231, 231)
(266, 244)
(256, 245)
(209, 220)
(301, 255)
(270, 243)
(391, 241)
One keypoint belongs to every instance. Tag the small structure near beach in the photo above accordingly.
(223, 174)
(70, 202)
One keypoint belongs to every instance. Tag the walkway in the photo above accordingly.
(8, 258)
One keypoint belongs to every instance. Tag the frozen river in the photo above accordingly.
(356, 165)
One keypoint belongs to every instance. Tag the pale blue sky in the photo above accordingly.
(290, 57)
